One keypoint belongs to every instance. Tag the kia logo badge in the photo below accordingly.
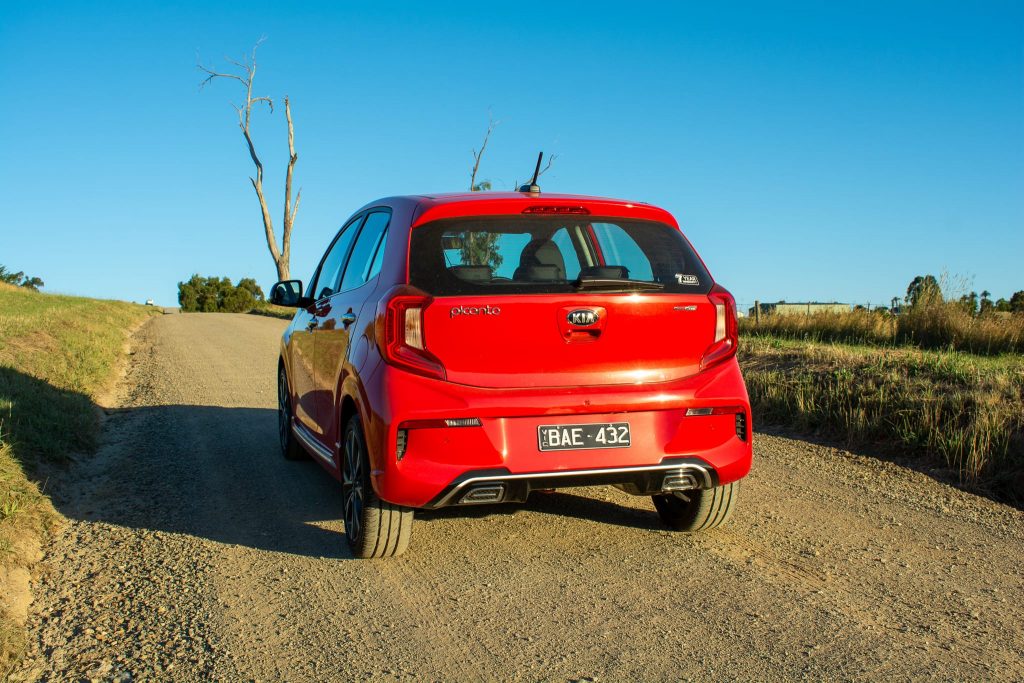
(582, 317)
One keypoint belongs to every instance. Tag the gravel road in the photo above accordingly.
(196, 552)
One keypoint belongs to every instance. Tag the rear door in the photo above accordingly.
(344, 319)
(309, 322)
(557, 302)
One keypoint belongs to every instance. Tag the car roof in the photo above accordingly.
(431, 207)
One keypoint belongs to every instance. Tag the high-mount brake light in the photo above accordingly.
(400, 334)
(557, 210)
(726, 329)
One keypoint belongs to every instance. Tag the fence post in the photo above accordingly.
(757, 313)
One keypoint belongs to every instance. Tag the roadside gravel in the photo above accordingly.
(195, 552)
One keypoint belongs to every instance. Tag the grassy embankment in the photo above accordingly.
(940, 326)
(863, 377)
(57, 355)
(272, 311)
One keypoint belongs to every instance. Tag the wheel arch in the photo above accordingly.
(354, 401)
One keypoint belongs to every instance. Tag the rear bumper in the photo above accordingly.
(440, 465)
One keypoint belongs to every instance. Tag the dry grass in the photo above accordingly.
(57, 354)
(961, 410)
(939, 326)
(272, 311)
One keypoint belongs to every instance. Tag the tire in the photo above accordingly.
(694, 511)
(373, 527)
(291, 449)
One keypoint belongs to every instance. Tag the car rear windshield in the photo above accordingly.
(544, 255)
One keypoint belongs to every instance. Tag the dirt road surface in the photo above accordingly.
(196, 552)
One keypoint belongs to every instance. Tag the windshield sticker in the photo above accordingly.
(687, 279)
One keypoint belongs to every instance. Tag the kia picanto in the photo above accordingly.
(467, 349)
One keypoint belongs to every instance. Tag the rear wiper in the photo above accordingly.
(584, 283)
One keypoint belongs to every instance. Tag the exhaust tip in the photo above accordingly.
(679, 480)
(490, 493)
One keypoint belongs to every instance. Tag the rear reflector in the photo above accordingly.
(557, 210)
(463, 422)
(441, 423)
(717, 410)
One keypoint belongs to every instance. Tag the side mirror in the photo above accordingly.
(288, 293)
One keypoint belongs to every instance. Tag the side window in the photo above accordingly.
(378, 259)
(330, 269)
(358, 269)
(620, 249)
(507, 247)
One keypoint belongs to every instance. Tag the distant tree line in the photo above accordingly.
(924, 290)
(19, 279)
(217, 295)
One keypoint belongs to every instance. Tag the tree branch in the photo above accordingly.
(289, 210)
(491, 123)
(551, 160)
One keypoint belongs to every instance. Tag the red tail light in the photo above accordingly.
(400, 334)
(726, 329)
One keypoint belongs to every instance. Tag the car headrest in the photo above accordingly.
(539, 274)
(542, 252)
(471, 273)
(610, 272)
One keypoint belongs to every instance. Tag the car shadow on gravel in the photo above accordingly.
(209, 472)
(560, 504)
(216, 473)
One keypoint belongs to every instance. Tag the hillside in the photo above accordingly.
(58, 356)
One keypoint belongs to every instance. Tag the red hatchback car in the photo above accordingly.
(466, 349)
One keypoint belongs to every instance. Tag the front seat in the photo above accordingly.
(540, 261)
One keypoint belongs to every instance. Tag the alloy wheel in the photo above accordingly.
(284, 410)
(352, 485)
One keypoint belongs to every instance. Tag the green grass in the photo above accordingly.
(272, 311)
(938, 326)
(958, 410)
(57, 355)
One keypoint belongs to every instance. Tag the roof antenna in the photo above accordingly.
(532, 187)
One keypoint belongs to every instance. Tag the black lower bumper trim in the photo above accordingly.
(644, 479)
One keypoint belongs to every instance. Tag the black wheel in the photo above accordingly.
(694, 511)
(374, 528)
(291, 449)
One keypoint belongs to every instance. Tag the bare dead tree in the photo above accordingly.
(477, 156)
(281, 256)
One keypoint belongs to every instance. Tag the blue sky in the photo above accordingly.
(823, 151)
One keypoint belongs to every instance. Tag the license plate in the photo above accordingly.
(581, 437)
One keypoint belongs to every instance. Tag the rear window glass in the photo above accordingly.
(543, 255)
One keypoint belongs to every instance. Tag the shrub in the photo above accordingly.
(19, 279)
(218, 295)
(961, 410)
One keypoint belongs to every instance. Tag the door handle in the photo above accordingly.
(348, 318)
